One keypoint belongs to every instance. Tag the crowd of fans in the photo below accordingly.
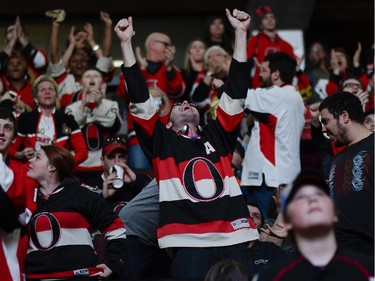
(235, 165)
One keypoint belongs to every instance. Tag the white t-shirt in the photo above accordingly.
(45, 132)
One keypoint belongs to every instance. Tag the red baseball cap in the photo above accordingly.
(112, 144)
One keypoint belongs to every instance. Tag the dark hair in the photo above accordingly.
(349, 77)
(285, 64)
(61, 158)
(343, 101)
(227, 270)
(240, 149)
(6, 114)
(227, 39)
(254, 204)
(19, 58)
(343, 51)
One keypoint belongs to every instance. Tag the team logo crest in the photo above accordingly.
(66, 129)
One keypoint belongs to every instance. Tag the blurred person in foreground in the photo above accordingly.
(310, 216)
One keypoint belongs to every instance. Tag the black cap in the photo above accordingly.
(307, 177)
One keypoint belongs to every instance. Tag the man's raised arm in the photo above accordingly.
(125, 32)
(240, 22)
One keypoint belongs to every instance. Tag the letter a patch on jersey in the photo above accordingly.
(209, 148)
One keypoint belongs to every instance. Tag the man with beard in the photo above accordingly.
(272, 157)
(351, 176)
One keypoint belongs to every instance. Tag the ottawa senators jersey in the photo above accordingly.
(59, 230)
(201, 204)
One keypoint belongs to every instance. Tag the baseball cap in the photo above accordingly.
(112, 144)
(307, 177)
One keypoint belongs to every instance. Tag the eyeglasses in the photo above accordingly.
(352, 85)
(163, 42)
(115, 140)
(181, 103)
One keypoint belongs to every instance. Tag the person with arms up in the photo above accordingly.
(203, 214)
(81, 54)
(309, 216)
(17, 44)
(165, 83)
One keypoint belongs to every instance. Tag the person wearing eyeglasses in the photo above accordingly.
(165, 83)
(203, 214)
(354, 85)
(342, 67)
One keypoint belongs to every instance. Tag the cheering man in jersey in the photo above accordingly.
(203, 214)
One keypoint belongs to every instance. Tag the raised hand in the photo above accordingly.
(239, 19)
(90, 33)
(280, 232)
(124, 29)
(106, 18)
(22, 37)
(170, 51)
(334, 63)
(357, 55)
(314, 112)
(142, 62)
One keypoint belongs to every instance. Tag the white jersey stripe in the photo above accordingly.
(176, 191)
(209, 239)
(68, 237)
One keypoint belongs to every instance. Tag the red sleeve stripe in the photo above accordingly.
(149, 125)
(229, 122)
(116, 224)
(356, 264)
(288, 268)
